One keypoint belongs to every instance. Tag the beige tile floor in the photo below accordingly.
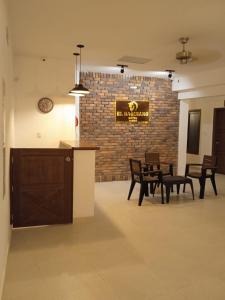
(161, 252)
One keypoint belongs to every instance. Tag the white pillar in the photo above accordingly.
(77, 114)
(77, 108)
(182, 140)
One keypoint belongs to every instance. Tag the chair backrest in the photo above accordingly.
(152, 158)
(209, 161)
(135, 168)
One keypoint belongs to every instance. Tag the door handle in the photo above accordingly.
(67, 159)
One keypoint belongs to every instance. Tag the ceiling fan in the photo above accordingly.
(184, 56)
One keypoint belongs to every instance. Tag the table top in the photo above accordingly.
(176, 179)
(78, 145)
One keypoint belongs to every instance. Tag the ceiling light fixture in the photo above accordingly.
(71, 92)
(122, 68)
(79, 89)
(184, 56)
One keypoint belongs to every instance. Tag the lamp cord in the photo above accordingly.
(80, 64)
(75, 68)
(80, 46)
(76, 72)
(76, 54)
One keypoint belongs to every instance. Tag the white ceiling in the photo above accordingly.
(112, 29)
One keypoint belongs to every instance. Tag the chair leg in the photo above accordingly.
(142, 192)
(162, 193)
(184, 187)
(154, 188)
(131, 189)
(192, 190)
(178, 189)
(214, 184)
(151, 188)
(202, 187)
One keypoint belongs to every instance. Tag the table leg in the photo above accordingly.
(168, 187)
(178, 189)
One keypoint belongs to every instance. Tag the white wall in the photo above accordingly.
(35, 79)
(205, 91)
(6, 137)
(206, 105)
(200, 84)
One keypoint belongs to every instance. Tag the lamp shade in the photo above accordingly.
(72, 93)
(80, 89)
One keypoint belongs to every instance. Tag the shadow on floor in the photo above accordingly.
(83, 230)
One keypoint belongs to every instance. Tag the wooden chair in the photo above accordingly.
(152, 159)
(207, 170)
(152, 162)
(143, 178)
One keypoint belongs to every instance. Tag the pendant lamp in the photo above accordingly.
(71, 93)
(79, 88)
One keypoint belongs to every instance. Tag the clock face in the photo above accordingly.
(45, 105)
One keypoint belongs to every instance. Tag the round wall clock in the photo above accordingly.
(45, 105)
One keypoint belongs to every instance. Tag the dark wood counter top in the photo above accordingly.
(78, 145)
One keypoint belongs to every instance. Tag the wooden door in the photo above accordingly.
(41, 186)
(219, 138)
(194, 120)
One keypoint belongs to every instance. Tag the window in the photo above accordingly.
(193, 137)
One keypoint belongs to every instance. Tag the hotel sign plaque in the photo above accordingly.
(132, 111)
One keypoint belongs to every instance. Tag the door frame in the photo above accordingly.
(199, 111)
(214, 129)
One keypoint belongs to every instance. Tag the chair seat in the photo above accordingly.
(197, 175)
(151, 178)
(194, 174)
(165, 173)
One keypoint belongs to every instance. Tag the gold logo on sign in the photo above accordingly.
(133, 106)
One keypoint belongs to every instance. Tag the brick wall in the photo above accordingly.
(119, 142)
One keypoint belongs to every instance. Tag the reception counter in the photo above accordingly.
(83, 177)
